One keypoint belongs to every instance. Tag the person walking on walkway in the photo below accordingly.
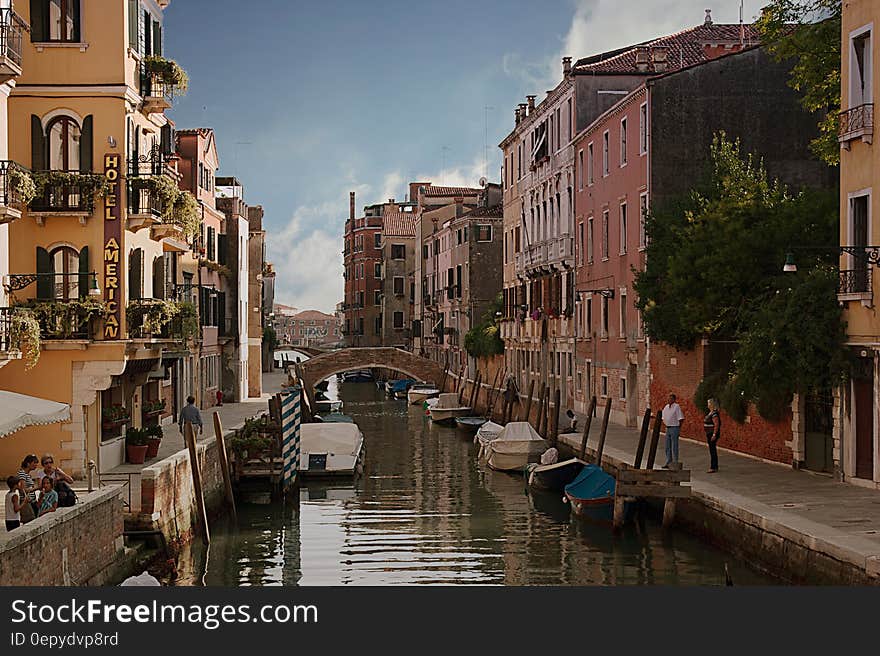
(712, 427)
(672, 417)
(190, 414)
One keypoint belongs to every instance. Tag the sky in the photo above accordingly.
(311, 100)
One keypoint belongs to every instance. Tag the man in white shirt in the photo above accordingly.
(672, 417)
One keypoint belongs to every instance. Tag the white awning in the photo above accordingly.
(19, 411)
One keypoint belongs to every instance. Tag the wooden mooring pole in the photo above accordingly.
(540, 418)
(587, 424)
(601, 447)
(528, 411)
(655, 438)
(224, 463)
(189, 436)
(554, 424)
(643, 437)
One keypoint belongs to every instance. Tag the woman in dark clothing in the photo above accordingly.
(712, 426)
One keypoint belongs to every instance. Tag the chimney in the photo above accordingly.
(516, 113)
(351, 205)
(531, 103)
(708, 21)
(391, 201)
(522, 111)
(643, 59)
(659, 57)
(566, 65)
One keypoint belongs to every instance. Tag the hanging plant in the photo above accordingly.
(161, 187)
(22, 183)
(63, 319)
(24, 335)
(185, 213)
(151, 315)
(169, 71)
(189, 319)
(90, 185)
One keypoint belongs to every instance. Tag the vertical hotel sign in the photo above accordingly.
(112, 237)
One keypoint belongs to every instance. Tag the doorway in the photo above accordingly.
(818, 431)
(863, 396)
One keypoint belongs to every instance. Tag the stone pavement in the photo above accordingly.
(232, 416)
(838, 520)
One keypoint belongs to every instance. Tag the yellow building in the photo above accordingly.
(857, 440)
(95, 254)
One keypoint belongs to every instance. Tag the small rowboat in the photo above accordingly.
(553, 477)
(591, 494)
(470, 423)
(447, 409)
(420, 392)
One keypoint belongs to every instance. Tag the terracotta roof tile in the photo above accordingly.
(399, 224)
(493, 212)
(451, 191)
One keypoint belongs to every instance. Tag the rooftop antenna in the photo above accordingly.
(742, 28)
(486, 109)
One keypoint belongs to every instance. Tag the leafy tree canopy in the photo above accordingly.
(809, 32)
(483, 340)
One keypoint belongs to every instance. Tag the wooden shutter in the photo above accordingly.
(222, 248)
(135, 274)
(141, 40)
(167, 139)
(133, 13)
(203, 305)
(86, 146)
(39, 21)
(157, 38)
(84, 278)
(148, 34)
(221, 312)
(77, 18)
(44, 279)
(39, 146)
(159, 277)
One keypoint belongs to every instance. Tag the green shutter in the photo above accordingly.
(222, 247)
(39, 21)
(84, 278)
(159, 277)
(203, 305)
(86, 146)
(77, 17)
(157, 38)
(133, 11)
(44, 274)
(135, 275)
(221, 312)
(38, 145)
(167, 139)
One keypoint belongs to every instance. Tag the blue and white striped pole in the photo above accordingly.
(291, 418)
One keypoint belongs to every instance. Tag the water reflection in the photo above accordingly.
(424, 512)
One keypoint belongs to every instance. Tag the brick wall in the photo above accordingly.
(72, 546)
(168, 501)
(680, 373)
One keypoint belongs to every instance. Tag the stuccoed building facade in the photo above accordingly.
(398, 263)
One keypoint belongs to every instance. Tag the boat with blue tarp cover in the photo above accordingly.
(591, 493)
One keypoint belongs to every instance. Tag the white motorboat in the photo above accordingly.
(331, 449)
(447, 409)
(486, 433)
(420, 392)
(515, 447)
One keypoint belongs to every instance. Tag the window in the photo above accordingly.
(643, 215)
(589, 312)
(65, 264)
(377, 239)
(623, 313)
(64, 144)
(605, 235)
(604, 316)
(623, 142)
(424, 251)
(590, 240)
(398, 286)
(377, 297)
(622, 388)
(55, 20)
(398, 320)
(604, 385)
(590, 164)
(484, 232)
(580, 245)
(605, 142)
(570, 119)
(377, 325)
(623, 228)
(580, 177)
(858, 230)
(643, 129)
(458, 281)
(558, 128)
(398, 252)
(377, 270)
(861, 74)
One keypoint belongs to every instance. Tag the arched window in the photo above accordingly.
(65, 264)
(64, 136)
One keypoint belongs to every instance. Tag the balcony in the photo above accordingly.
(12, 28)
(161, 80)
(856, 122)
(68, 319)
(158, 319)
(70, 193)
(16, 188)
(561, 248)
(147, 202)
(855, 285)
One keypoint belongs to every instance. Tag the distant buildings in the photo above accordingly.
(307, 328)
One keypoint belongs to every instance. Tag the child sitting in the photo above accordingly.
(49, 498)
(15, 499)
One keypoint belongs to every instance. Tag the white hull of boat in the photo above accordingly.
(421, 395)
(331, 449)
(447, 415)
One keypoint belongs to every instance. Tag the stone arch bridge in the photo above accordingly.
(322, 366)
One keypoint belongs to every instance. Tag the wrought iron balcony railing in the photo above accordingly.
(12, 29)
(6, 329)
(854, 281)
(63, 319)
(11, 176)
(856, 122)
(65, 192)
(143, 200)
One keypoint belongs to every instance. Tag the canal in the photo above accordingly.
(425, 512)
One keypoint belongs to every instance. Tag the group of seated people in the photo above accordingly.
(39, 488)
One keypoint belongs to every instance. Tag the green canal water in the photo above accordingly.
(425, 512)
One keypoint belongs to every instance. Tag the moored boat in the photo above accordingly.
(516, 446)
(420, 392)
(331, 449)
(447, 409)
(591, 494)
(360, 376)
(485, 434)
(553, 477)
(399, 387)
(471, 424)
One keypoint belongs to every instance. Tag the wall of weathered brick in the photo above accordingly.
(72, 546)
(680, 373)
(168, 501)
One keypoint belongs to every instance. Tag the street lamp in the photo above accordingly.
(790, 266)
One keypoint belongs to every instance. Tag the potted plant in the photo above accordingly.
(154, 439)
(153, 408)
(136, 445)
(114, 416)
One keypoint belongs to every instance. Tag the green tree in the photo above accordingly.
(484, 340)
(714, 270)
(808, 31)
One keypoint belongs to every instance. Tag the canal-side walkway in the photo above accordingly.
(807, 520)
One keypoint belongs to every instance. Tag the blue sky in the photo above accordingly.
(311, 100)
